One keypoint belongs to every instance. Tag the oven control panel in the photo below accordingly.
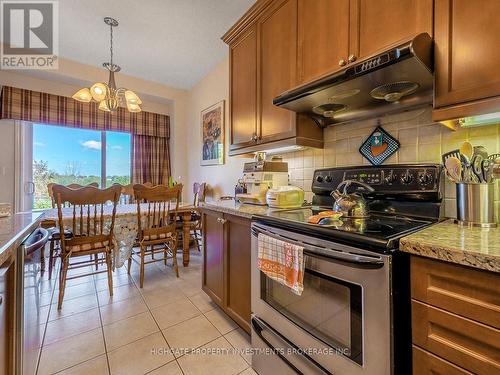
(412, 178)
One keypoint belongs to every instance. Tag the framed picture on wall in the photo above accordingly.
(212, 135)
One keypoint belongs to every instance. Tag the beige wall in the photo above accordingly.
(421, 139)
(220, 178)
(72, 75)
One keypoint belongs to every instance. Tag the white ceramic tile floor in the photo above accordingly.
(139, 331)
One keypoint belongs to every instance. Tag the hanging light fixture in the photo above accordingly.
(107, 95)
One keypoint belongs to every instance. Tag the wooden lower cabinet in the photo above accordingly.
(226, 265)
(213, 256)
(425, 363)
(7, 316)
(237, 264)
(455, 318)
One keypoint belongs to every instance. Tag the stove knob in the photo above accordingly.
(319, 178)
(390, 178)
(425, 179)
(328, 179)
(407, 178)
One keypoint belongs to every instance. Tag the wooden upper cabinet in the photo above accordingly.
(243, 81)
(277, 54)
(375, 25)
(467, 36)
(323, 37)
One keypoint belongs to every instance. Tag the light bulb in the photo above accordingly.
(133, 107)
(99, 91)
(103, 106)
(131, 97)
(83, 95)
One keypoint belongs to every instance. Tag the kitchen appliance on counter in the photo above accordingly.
(240, 188)
(353, 316)
(285, 197)
(392, 81)
(259, 177)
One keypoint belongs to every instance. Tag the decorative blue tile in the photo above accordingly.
(379, 146)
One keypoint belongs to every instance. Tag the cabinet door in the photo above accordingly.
(473, 346)
(466, 51)
(323, 37)
(238, 247)
(375, 25)
(7, 316)
(213, 253)
(243, 76)
(277, 30)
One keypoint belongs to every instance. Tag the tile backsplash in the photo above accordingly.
(422, 141)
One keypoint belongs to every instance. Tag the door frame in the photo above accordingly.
(23, 173)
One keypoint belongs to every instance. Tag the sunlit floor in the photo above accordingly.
(140, 331)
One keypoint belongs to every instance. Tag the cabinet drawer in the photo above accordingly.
(468, 344)
(462, 290)
(425, 363)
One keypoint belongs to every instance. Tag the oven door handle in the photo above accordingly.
(260, 326)
(330, 254)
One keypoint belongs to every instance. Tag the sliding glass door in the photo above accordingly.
(67, 155)
(118, 158)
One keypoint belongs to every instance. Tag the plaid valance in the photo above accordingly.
(40, 107)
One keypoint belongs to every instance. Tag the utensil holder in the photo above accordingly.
(475, 204)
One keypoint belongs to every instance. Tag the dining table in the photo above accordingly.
(126, 227)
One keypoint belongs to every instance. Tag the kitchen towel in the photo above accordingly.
(282, 262)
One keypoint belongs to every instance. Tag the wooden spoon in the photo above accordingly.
(467, 150)
(454, 168)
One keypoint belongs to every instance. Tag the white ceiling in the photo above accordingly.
(173, 42)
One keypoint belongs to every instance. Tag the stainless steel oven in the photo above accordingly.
(341, 324)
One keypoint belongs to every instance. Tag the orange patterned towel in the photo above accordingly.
(282, 262)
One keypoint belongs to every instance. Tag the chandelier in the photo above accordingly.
(107, 95)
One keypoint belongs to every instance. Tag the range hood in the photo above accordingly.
(393, 81)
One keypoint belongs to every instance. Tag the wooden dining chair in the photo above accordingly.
(92, 224)
(127, 193)
(196, 228)
(157, 209)
(71, 186)
(50, 225)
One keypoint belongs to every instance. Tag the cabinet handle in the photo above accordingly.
(351, 58)
(342, 62)
(223, 221)
(254, 138)
(1, 299)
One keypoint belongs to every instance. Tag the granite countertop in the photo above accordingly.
(238, 209)
(14, 229)
(447, 241)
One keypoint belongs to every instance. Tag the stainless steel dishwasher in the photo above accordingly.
(28, 314)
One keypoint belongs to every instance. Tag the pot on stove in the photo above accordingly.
(351, 205)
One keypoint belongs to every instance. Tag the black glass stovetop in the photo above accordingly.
(377, 230)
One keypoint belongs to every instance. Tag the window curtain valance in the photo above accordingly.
(40, 107)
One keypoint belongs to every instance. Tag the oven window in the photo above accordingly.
(330, 309)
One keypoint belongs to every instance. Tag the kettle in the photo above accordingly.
(351, 205)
